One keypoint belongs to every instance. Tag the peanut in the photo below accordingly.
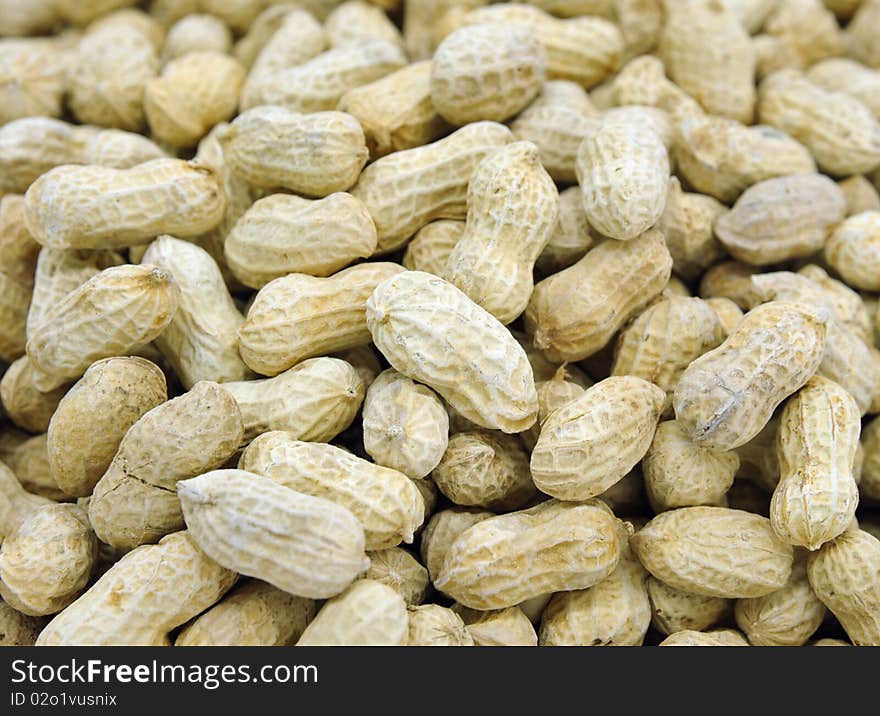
(851, 249)
(27, 407)
(433, 625)
(720, 637)
(860, 194)
(17, 629)
(398, 569)
(356, 21)
(430, 248)
(504, 627)
(196, 33)
(441, 532)
(673, 610)
(35, 73)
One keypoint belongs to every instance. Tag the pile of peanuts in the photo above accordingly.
(440, 322)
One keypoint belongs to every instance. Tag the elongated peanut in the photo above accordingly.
(305, 545)
(502, 627)
(298, 316)
(714, 551)
(488, 71)
(94, 415)
(284, 234)
(313, 401)
(196, 33)
(674, 610)
(781, 219)
(398, 569)
(135, 502)
(252, 614)
(313, 154)
(111, 313)
(27, 407)
(368, 613)
(146, 594)
(851, 250)
(441, 532)
(513, 206)
(720, 637)
(405, 425)
(92, 207)
(455, 347)
(845, 575)
(727, 395)
(433, 625)
(574, 313)
(385, 501)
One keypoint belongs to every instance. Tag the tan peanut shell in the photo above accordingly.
(673, 610)
(305, 545)
(93, 207)
(430, 248)
(368, 613)
(513, 206)
(135, 502)
(681, 473)
(312, 154)
(592, 442)
(845, 575)
(29, 460)
(38, 77)
(196, 33)
(731, 280)
(441, 532)
(781, 219)
(282, 234)
(385, 501)
(838, 74)
(851, 250)
(113, 312)
(860, 194)
(149, 592)
(398, 569)
(727, 395)
(408, 189)
(313, 401)
(252, 614)
(808, 27)
(433, 625)
(501, 627)
(94, 415)
(17, 629)
(298, 316)
(27, 407)
(455, 347)
(555, 546)
(489, 71)
(552, 394)
(714, 551)
(720, 637)
(405, 425)
(574, 313)
(15, 299)
(861, 34)
(265, 27)
(18, 251)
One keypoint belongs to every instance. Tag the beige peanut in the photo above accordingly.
(398, 569)
(27, 407)
(673, 610)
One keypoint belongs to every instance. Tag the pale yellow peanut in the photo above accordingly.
(676, 287)
(424, 23)
(574, 313)
(408, 189)
(773, 54)
(845, 304)
(731, 280)
(640, 23)
(614, 612)
(751, 13)
(556, 122)
(680, 473)
(298, 316)
(430, 248)
(722, 158)
(31, 146)
(405, 425)
(92, 418)
(851, 250)
(720, 637)
(18, 251)
(726, 396)
(665, 339)
(714, 551)
(146, 594)
(385, 501)
(808, 27)
(314, 401)
(841, 132)
(687, 222)
(193, 93)
(304, 545)
(869, 486)
(838, 74)
(862, 34)
(113, 67)
(571, 238)
(455, 347)
(430, 494)
(555, 546)
(710, 56)
(356, 20)
(196, 33)
(17, 629)
(27, 407)
(860, 194)
(261, 31)
(786, 617)
(502, 627)
(673, 610)
(396, 111)
(433, 625)
(94, 207)
(552, 394)
(282, 234)
(135, 502)
(441, 532)
(16, 503)
(132, 17)
(110, 314)
(488, 71)
(643, 81)
(398, 569)
(368, 613)
(781, 219)
(845, 575)
(513, 206)
(30, 462)
(35, 78)
(312, 154)
(252, 614)
(623, 170)
(592, 442)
